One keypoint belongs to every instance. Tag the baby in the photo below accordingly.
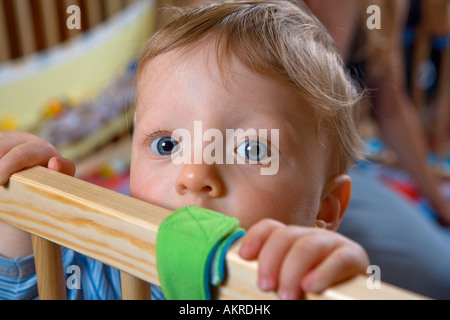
(263, 65)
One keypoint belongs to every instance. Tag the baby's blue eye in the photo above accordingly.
(164, 146)
(253, 150)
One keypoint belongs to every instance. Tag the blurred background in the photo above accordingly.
(66, 74)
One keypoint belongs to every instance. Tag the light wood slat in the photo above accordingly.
(25, 26)
(49, 269)
(112, 7)
(121, 231)
(94, 12)
(134, 288)
(50, 22)
(5, 52)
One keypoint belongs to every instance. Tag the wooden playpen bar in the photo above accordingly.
(120, 231)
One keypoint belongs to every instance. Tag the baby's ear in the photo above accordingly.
(335, 199)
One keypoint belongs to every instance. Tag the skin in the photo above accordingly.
(278, 211)
(202, 95)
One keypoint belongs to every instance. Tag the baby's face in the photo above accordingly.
(191, 93)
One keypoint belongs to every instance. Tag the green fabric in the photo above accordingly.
(190, 251)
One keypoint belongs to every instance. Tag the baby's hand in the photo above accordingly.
(294, 259)
(20, 150)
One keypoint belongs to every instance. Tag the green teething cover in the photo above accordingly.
(190, 251)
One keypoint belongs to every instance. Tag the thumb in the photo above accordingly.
(62, 165)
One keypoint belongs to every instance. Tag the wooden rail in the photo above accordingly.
(121, 231)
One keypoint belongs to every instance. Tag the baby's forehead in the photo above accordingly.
(183, 72)
(204, 55)
(204, 61)
(235, 94)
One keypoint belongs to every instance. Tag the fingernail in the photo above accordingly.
(58, 165)
(266, 284)
(287, 295)
(243, 252)
(313, 286)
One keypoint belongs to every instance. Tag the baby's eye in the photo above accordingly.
(164, 146)
(253, 150)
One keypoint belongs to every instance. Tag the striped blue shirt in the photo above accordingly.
(86, 279)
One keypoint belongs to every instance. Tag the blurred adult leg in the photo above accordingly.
(412, 251)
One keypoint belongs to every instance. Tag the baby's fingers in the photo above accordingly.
(62, 165)
(341, 264)
(305, 253)
(23, 156)
(256, 236)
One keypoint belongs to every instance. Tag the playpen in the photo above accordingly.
(120, 231)
(115, 229)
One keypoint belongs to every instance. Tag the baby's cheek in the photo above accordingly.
(148, 184)
(254, 206)
(147, 192)
(259, 204)
(153, 198)
(137, 192)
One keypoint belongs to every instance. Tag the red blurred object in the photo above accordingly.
(406, 189)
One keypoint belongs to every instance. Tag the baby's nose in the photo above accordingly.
(200, 179)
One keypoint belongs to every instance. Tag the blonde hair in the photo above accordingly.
(281, 40)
